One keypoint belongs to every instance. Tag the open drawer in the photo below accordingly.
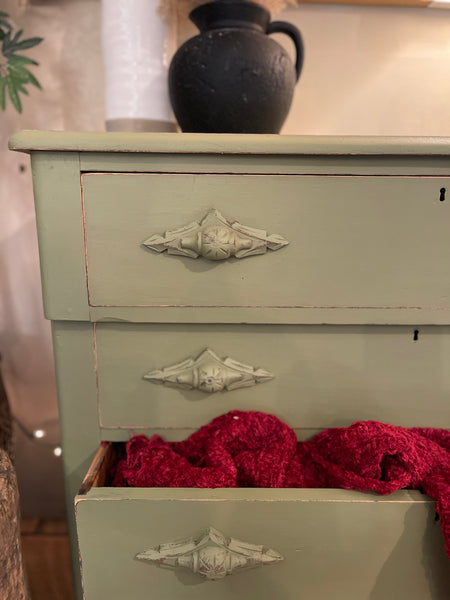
(256, 544)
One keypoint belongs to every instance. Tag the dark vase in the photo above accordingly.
(232, 77)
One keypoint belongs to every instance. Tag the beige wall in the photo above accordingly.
(372, 70)
(367, 71)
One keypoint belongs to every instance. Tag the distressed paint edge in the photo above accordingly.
(303, 495)
(176, 143)
(269, 315)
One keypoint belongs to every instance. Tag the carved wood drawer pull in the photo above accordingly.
(215, 238)
(209, 373)
(211, 554)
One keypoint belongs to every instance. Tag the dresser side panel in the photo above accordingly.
(56, 181)
(77, 392)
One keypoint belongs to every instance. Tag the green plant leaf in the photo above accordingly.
(17, 36)
(20, 73)
(6, 44)
(16, 81)
(32, 79)
(20, 88)
(17, 59)
(3, 93)
(4, 24)
(12, 45)
(14, 68)
(14, 96)
(18, 76)
(17, 72)
(25, 44)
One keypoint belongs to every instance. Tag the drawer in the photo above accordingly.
(317, 544)
(362, 242)
(309, 376)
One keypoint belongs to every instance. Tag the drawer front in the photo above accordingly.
(333, 544)
(353, 241)
(309, 376)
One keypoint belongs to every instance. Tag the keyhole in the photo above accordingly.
(442, 194)
(416, 335)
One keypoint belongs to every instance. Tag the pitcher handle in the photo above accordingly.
(295, 35)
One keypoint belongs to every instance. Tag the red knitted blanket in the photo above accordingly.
(253, 449)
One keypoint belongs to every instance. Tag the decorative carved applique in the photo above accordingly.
(211, 554)
(209, 373)
(215, 238)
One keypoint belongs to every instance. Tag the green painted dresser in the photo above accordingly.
(188, 275)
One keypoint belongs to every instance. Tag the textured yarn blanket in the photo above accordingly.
(253, 449)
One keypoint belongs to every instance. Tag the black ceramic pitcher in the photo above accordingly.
(232, 77)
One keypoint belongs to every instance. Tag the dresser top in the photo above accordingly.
(27, 141)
